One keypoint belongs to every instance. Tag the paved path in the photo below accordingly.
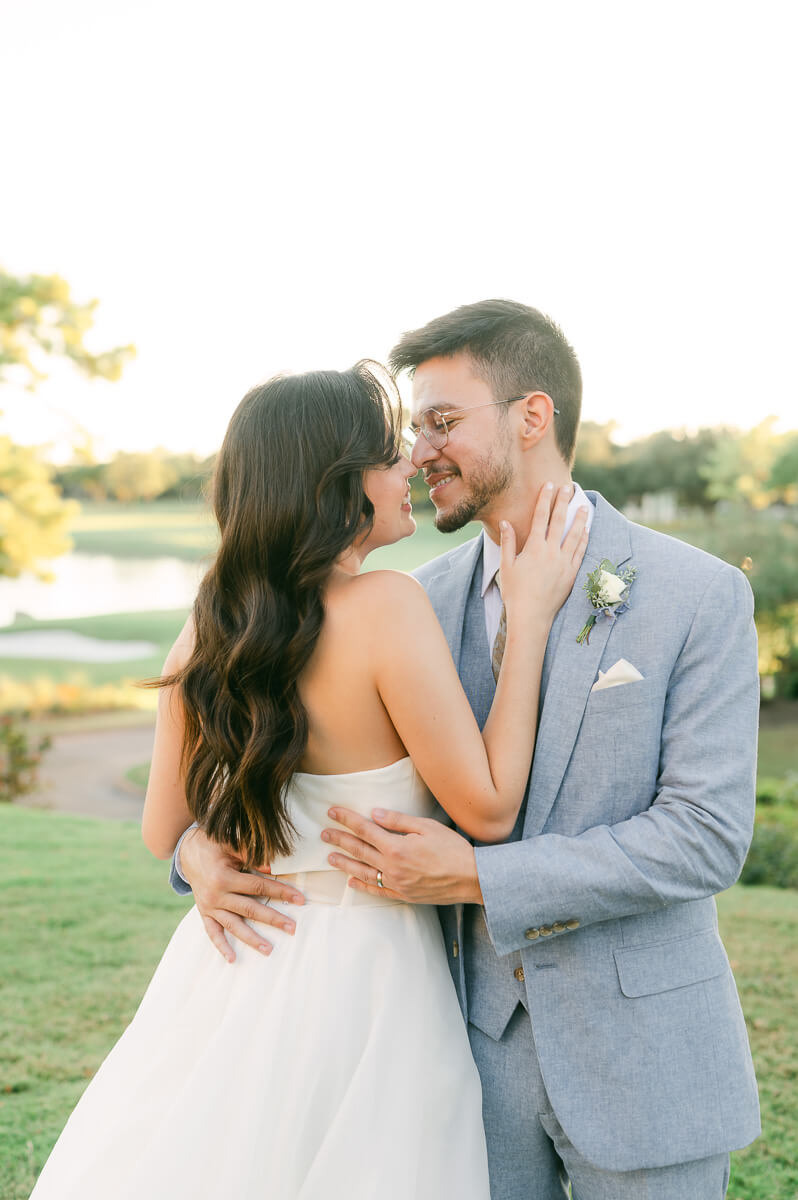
(84, 773)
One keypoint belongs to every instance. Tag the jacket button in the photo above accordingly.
(519, 974)
(558, 927)
(532, 934)
(572, 924)
(455, 949)
(546, 930)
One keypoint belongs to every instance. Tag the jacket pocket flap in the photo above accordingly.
(662, 966)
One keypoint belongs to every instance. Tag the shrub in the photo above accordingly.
(773, 857)
(18, 759)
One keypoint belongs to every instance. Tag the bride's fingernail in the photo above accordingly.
(332, 813)
(379, 813)
(325, 837)
(265, 948)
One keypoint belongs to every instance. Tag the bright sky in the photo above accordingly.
(257, 186)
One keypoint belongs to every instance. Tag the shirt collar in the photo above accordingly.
(492, 554)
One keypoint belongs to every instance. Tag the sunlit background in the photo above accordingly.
(251, 187)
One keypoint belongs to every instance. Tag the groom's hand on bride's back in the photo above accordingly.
(228, 897)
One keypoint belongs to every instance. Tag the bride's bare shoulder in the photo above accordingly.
(375, 595)
(182, 649)
(393, 587)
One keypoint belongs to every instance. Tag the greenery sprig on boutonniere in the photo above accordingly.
(608, 591)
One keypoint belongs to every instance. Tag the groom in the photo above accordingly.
(601, 1009)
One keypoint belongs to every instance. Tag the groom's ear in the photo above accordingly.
(537, 415)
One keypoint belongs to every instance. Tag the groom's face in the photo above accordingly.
(468, 476)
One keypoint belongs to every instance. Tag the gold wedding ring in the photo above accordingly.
(379, 879)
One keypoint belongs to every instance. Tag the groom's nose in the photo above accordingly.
(422, 452)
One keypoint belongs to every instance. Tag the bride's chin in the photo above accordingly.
(406, 529)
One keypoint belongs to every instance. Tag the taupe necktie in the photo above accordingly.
(500, 640)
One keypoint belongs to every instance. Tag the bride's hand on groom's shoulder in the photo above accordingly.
(228, 897)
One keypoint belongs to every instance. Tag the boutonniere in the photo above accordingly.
(608, 591)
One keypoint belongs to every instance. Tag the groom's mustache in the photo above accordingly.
(433, 474)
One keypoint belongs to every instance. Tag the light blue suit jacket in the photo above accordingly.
(639, 809)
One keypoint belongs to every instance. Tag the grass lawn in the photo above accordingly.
(778, 738)
(88, 912)
(760, 928)
(183, 529)
(187, 530)
(158, 627)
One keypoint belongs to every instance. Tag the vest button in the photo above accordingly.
(519, 974)
(572, 924)
(546, 930)
(558, 927)
(532, 934)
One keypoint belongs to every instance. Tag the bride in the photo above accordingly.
(335, 1063)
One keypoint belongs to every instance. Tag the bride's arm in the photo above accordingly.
(479, 779)
(166, 814)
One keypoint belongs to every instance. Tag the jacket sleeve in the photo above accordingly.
(692, 840)
(176, 880)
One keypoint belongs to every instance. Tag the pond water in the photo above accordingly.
(68, 646)
(87, 585)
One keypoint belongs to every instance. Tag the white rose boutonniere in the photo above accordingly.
(608, 591)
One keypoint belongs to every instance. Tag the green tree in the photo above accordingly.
(669, 461)
(39, 322)
(596, 462)
(739, 466)
(784, 475)
(140, 476)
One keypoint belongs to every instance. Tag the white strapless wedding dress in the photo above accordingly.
(338, 1066)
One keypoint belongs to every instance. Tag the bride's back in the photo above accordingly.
(349, 726)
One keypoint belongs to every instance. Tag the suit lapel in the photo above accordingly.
(570, 669)
(449, 591)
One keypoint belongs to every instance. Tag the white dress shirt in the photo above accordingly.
(491, 561)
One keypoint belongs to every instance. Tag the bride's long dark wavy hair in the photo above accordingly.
(289, 499)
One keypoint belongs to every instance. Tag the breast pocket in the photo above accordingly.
(617, 699)
(618, 747)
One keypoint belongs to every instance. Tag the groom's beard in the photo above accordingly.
(490, 477)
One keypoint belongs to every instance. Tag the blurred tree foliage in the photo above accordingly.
(740, 466)
(152, 475)
(39, 321)
(784, 473)
(33, 514)
(702, 469)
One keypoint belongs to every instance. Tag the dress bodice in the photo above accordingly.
(397, 786)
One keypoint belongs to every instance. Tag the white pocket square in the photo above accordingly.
(620, 672)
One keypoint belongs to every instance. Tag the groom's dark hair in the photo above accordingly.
(514, 349)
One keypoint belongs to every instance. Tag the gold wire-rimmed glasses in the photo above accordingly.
(433, 424)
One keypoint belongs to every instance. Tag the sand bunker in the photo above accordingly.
(70, 647)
